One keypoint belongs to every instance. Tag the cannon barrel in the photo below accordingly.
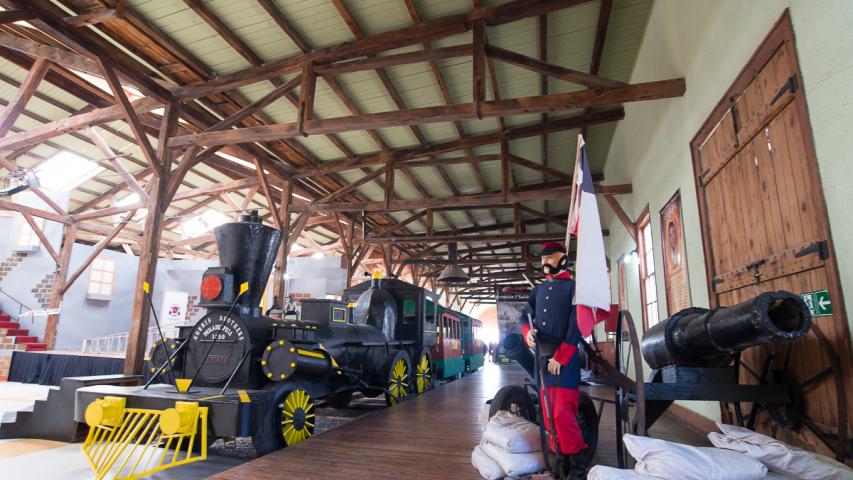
(697, 337)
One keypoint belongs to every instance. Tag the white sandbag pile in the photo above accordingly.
(600, 472)
(510, 447)
(674, 461)
(512, 433)
(779, 457)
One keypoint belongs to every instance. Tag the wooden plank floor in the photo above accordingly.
(430, 436)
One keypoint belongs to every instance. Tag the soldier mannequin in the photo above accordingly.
(556, 331)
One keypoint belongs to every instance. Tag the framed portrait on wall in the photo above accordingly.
(674, 256)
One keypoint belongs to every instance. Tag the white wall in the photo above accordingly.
(708, 43)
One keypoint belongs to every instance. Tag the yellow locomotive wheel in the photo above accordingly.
(297, 417)
(398, 381)
(423, 374)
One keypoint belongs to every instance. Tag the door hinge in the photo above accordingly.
(821, 248)
(790, 85)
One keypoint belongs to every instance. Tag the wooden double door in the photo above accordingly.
(765, 228)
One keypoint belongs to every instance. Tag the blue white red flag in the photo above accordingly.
(592, 284)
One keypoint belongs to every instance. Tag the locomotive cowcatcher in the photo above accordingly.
(260, 377)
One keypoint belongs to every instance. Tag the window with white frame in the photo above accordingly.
(102, 277)
(27, 236)
(648, 284)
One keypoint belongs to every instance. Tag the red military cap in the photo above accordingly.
(550, 247)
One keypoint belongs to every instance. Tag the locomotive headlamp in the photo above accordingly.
(211, 287)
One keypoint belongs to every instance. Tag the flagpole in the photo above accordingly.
(573, 200)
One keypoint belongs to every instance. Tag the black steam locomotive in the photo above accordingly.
(261, 376)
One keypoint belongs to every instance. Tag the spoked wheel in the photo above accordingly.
(805, 382)
(630, 404)
(296, 417)
(399, 380)
(423, 373)
(514, 399)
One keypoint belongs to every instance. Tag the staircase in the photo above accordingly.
(53, 417)
(14, 338)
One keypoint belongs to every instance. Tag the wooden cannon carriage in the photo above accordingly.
(696, 355)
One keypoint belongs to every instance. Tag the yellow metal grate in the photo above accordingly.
(134, 442)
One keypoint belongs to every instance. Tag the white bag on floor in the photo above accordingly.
(675, 461)
(513, 433)
(488, 468)
(600, 472)
(778, 456)
(514, 464)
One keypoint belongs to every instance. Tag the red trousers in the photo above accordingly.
(563, 406)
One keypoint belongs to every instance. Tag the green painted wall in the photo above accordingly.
(708, 43)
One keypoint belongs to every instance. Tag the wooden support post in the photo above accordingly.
(25, 92)
(389, 180)
(429, 222)
(158, 201)
(68, 236)
(505, 168)
(479, 67)
(306, 97)
(265, 187)
(283, 251)
(386, 259)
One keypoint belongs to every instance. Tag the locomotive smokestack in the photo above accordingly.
(249, 249)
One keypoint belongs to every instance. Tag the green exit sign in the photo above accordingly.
(818, 302)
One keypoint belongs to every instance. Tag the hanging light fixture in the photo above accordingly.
(452, 273)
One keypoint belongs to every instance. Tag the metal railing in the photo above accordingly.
(116, 344)
(21, 306)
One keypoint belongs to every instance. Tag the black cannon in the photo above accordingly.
(739, 355)
(697, 337)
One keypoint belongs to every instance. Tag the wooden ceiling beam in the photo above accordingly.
(23, 95)
(467, 238)
(385, 61)
(76, 122)
(11, 16)
(433, 29)
(131, 117)
(97, 15)
(466, 111)
(50, 22)
(473, 141)
(556, 71)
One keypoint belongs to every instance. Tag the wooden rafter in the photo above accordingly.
(130, 116)
(54, 129)
(23, 95)
(40, 233)
(433, 29)
(465, 111)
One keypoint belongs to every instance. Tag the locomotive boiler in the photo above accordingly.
(260, 376)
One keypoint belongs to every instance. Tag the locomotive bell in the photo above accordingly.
(247, 248)
(452, 273)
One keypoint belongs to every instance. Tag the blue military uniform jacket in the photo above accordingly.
(554, 317)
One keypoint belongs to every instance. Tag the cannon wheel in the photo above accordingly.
(784, 419)
(630, 405)
(516, 400)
